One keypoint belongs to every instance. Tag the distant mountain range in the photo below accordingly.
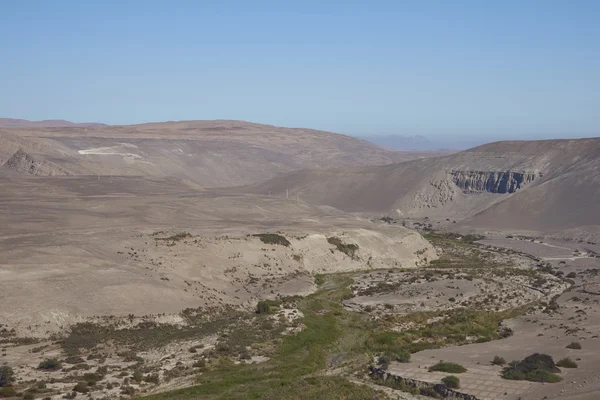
(422, 143)
(48, 123)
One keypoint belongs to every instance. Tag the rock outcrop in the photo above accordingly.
(24, 163)
(492, 181)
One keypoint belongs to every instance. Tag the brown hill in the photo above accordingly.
(207, 153)
(536, 186)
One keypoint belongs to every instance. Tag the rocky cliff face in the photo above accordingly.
(24, 163)
(492, 181)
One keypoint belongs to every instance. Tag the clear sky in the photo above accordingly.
(492, 68)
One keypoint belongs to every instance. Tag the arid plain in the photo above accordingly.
(223, 260)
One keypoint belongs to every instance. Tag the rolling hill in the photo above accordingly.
(206, 153)
(498, 185)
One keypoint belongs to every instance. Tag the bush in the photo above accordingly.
(567, 363)
(152, 378)
(448, 367)
(498, 361)
(137, 375)
(129, 390)
(451, 381)
(384, 361)
(273, 238)
(266, 306)
(571, 275)
(7, 376)
(81, 387)
(535, 368)
(28, 396)
(50, 364)
(574, 345)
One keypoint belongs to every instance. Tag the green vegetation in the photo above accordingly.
(7, 392)
(148, 335)
(451, 381)
(449, 367)
(177, 237)
(348, 249)
(574, 345)
(498, 361)
(535, 368)
(273, 238)
(50, 364)
(81, 387)
(332, 337)
(138, 376)
(450, 236)
(566, 363)
(386, 358)
(7, 376)
(267, 306)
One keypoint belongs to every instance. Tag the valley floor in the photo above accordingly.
(478, 301)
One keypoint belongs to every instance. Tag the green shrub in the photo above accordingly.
(81, 387)
(152, 378)
(273, 238)
(498, 361)
(574, 345)
(50, 364)
(451, 381)
(28, 396)
(7, 392)
(384, 361)
(7, 376)
(566, 363)
(137, 375)
(347, 249)
(535, 368)
(128, 390)
(266, 306)
(449, 367)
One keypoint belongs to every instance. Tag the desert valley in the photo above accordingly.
(233, 260)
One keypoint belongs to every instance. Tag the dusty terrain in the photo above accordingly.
(75, 247)
(544, 187)
(575, 319)
(207, 153)
(117, 261)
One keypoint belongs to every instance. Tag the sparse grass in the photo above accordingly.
(332, 338)
(176, 237)
(50, 364)
(348, 249)
(273, 238)
(331, 334)
(147, 335)
(498, 361)
(451, 381)
(566, 363)
(449, 367)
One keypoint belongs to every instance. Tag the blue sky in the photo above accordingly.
(436, 68)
